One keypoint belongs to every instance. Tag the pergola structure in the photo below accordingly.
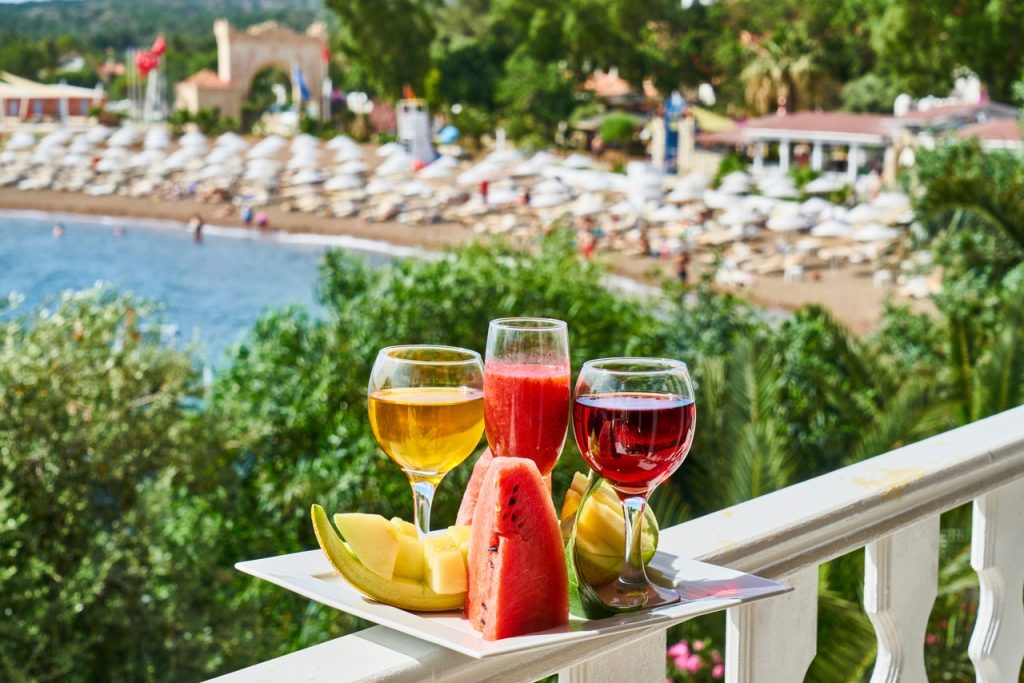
(858, 132)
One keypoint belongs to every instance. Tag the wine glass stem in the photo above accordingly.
(633, 562)
(423, 498)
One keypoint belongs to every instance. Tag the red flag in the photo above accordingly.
(325, 53)
(146, 61)
(159, 46)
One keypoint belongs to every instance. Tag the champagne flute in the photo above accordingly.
(426, 413)
(633, 419)
(526, 389)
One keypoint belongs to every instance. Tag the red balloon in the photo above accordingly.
(159, 46)
(146, 61)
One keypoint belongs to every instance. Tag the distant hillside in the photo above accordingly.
(123, 23)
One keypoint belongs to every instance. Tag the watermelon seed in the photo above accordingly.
(515, 488)
(492, 549)
(512, 500)
(513, 516)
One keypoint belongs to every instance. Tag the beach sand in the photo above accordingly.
(847, 292)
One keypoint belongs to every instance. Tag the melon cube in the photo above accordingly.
(444, 566)
(405, 528)
(409, 563)
(461, 534)
(373, 541)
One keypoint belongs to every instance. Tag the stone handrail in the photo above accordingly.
(888, 504)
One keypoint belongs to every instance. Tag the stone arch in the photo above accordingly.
(243, 54)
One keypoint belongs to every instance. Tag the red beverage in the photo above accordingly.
(635, 440)
(526, 410)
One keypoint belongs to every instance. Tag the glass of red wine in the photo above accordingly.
(527, 389)
(633, 419)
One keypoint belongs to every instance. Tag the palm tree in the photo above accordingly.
(784, 72)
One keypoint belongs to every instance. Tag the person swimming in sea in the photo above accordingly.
(195, 224)
(58, 230)
(119, 231)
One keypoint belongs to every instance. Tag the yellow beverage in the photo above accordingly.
(428, 430)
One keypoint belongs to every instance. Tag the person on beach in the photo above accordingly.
(485, 186)
(683, 266)
(247, 215)
(195, 224)
(261, 220)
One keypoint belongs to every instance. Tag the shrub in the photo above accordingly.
(618, 129)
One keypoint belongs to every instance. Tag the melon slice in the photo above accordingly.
(461, 534)
(404, 528)
(372, 538)
(517, 575)
(444, 566)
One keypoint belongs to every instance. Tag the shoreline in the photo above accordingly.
(847, 293)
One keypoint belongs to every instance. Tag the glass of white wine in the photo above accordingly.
(426, 406)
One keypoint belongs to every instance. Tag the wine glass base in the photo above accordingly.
(646, 595)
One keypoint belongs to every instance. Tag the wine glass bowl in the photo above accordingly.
(426, 413)
(633, 420)
(527, 389)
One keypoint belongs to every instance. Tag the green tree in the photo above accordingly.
(390, 39)
(785, 72)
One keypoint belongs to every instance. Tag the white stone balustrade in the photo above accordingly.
(888, 504)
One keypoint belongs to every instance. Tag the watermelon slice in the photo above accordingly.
(517, 574)
(476, 480)
(472, 492)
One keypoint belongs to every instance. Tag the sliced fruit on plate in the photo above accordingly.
(409, 563)
(517, 573)
(600, 536)
(403, 527)
(372, 538)
(444, 564)
(401, 592)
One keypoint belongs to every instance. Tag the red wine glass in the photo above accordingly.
(527, 389)
(633, 419)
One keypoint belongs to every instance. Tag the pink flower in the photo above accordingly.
(931, 639)
(680, 649)
(698, 645)
(718, 670)
(691, 664)
(716, 656)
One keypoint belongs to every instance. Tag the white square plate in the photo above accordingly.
(705, 587)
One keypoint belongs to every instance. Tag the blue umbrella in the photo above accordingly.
(448, 135)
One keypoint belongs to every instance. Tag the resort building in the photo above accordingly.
(25, 100)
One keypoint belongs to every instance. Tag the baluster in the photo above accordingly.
(901, 573)
(641, 660)
(774, 639)
(997, 554)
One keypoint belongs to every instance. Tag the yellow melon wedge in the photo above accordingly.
(444, 565)
(402, 593)
(372, 538)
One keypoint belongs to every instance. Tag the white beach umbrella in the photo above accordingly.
(545, 200)
(157, 138)
(340, 142)
(267, 147)
(588, 205)
(309, 159)
(80, 145)
(145, 158)
(577, 161)
(684, 193)
(739, 216)
(389, 148)
(193, 140)
(695, 179)
(875, 232)
(814, 206)
(714, 199)
(416, 188)
(57, 138)
(441, 167)
(824, 184)
(863, 213)
(786, 223)
(261, 171)
(230, 140)
(831, 228)
(779, 187)
(219, 155)
(666, 214)
(308, 177)
(502, 196)
(623, 207)
(349, 154)
(891, 201)
(109, 165)
(343, 182)
(353, 167)
(212, 171)
(43, 156)
(125, 136)
(304, 141)
(98, 133)
(380, 186)
(21, 139)
(397, 162)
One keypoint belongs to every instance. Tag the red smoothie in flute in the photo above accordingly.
(526, 410)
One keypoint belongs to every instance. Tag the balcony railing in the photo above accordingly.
(889, 505)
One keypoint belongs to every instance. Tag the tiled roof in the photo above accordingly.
(207, 78)
(824, 122)
(995, 129)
